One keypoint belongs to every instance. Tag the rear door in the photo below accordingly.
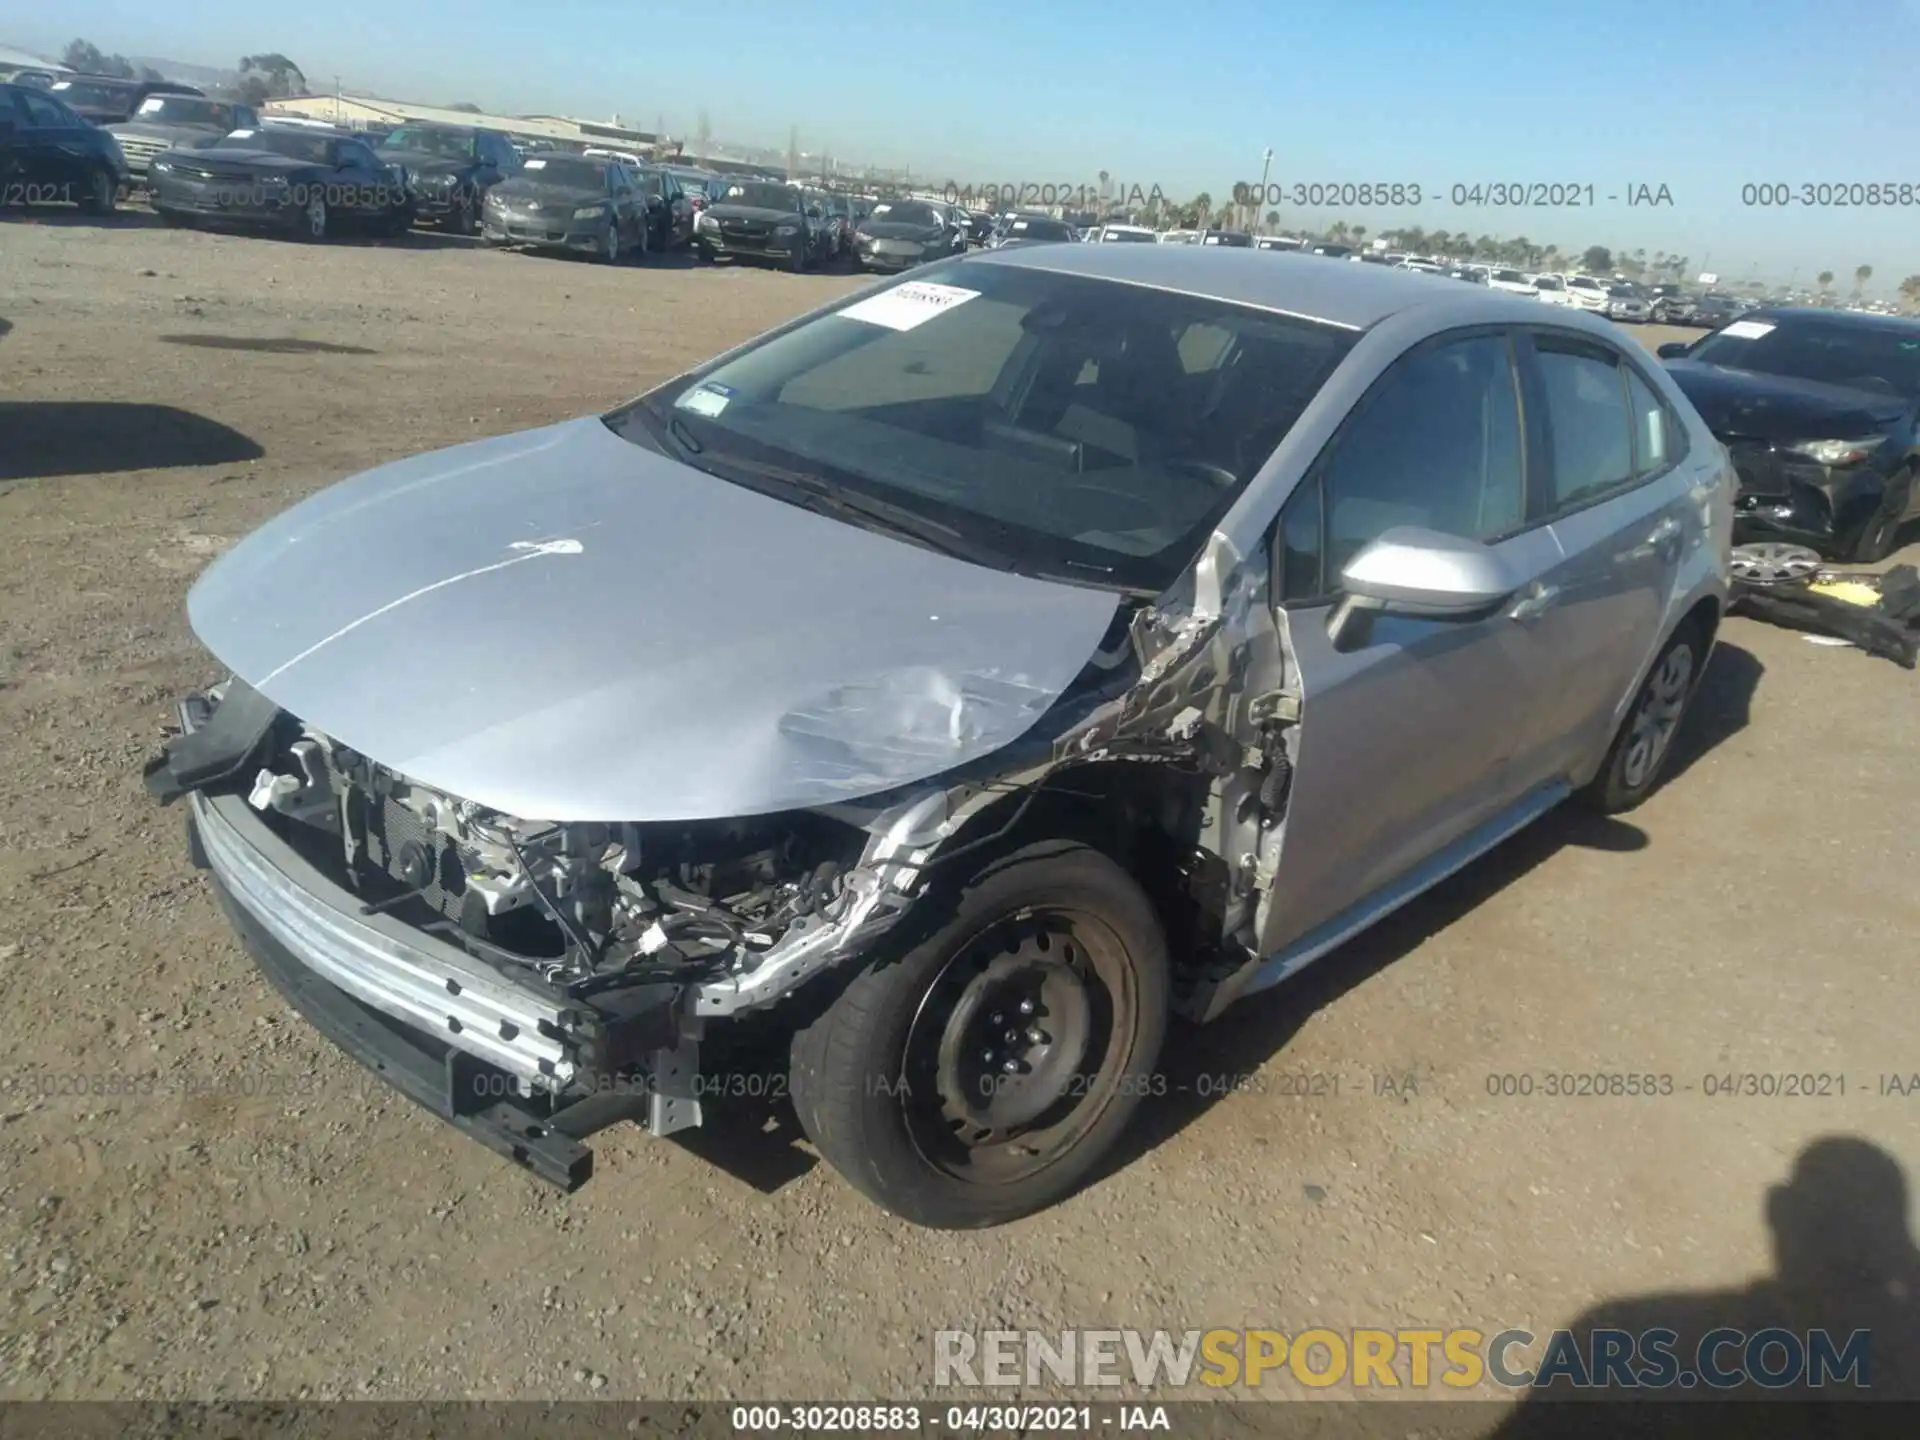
(1613, 487)
(1425, 729)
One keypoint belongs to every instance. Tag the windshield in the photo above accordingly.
(428, 140)
(1623, 292)
(1058, 424)
(762, 195)
(1038, 230)
(576, 173)
(906, 212)
(1548, 282)
(184, 110)
(291, 143)
(1883, 359)
(649, 182)
(102, 93)
(1510, 277)
(1129, 237)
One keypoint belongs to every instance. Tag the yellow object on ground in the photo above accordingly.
(1853, 592)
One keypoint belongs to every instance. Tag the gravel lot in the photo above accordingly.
(264, 1223)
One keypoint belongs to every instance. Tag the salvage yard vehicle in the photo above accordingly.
(756, 220)
(49, 155)
(451, 168)
(1821, 411)
(954, 681)
(563, 201)
(177, 122)
(308, 183)
(669, 209)
(109, 99)
(902, 233)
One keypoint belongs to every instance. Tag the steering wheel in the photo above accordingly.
(1216, 475)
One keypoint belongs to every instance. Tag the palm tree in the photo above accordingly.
(1825, 279)
(1861, 274)
(1202, 208)
(1273, 220)
(1339, 231)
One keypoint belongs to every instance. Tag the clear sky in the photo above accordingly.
(1702, 96)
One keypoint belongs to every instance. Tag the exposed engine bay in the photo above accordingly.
(579, 903)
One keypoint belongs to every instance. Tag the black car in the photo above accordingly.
(901, 233)
(451, 169)
(309, 183)
(1232, 239)
(1819, 411)
(1333, 252)
(1711, 311)
(109, 99)
(50, 155)
(1031, 230)
(670, 209)
(758, 220)
(563, 201)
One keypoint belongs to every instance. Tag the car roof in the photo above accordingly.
(1852, 319)
(1352, 296)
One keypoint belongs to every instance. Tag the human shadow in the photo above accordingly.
(40, 438)
(267, 344)
(1833, 1329)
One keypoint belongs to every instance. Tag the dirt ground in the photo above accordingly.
(262, 1222)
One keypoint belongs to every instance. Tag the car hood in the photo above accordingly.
(422, 162)
(520, 192)
(265, 162)
(753, 212)
(565, 625)
(901, 230)
(1746, 403)
(171, 134)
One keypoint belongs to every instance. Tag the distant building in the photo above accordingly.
(12, 59)
(362, 112)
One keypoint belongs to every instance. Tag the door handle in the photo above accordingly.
(1534, 602)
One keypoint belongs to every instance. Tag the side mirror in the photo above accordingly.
(1673, 350)
(1419, 573)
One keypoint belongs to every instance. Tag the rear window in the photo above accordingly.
(1072, 426)
(578, 174)
(1881, 359)
(762, 196)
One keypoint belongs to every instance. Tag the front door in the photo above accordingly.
(1424, 729)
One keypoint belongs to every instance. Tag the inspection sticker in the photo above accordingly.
(704, 400)
(905, 306)
(1748, 329)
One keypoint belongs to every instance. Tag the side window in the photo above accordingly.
(1436, 443)
(1592, 448)
(1297, 563)
(42, 112)
(1659, 440)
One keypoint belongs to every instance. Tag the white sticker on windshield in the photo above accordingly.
(905, 306)
(702, 400)
(1748, 329)
(536, 165)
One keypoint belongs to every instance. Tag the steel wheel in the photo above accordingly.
(610, 243)
(313, 216)
(1656, 718)
(1010, 1058)
(1774, 563)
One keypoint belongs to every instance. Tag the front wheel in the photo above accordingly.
(102, 195)
(1877, 537)
(1639, 752)
(981, 1073)
(314, 220)
(610, 249)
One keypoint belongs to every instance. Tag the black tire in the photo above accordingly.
(706, 253)
(1639, 753)
(646, 241)
(102, 195)
(313, 222)
(797, 261)
(1879, 535)
(173, 218)
(466, 219)
(612, 251)
(1051, 961)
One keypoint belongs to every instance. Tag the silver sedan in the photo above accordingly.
(961, 678)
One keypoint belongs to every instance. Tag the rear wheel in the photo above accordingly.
(1639, 752)
(610, 248)
(314, 218)
(980, 1074)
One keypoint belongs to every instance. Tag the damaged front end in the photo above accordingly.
(547, 980)
(533, 982)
